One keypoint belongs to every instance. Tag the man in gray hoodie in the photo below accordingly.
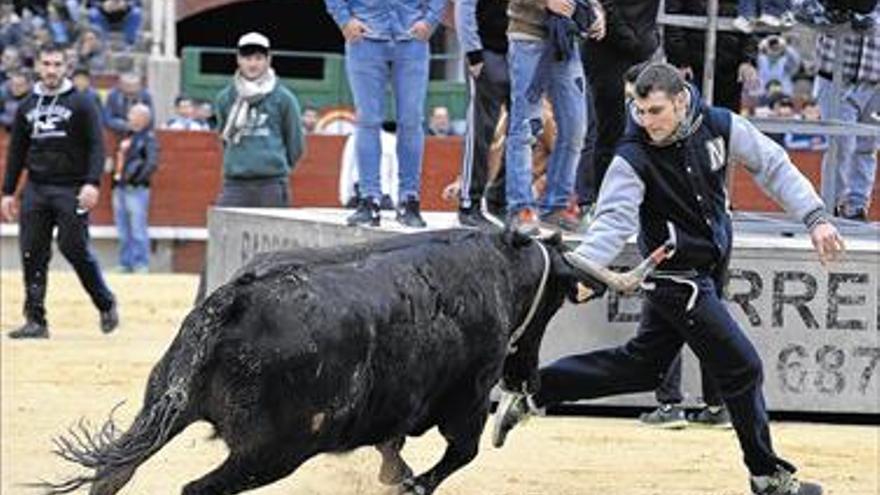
(667, 180)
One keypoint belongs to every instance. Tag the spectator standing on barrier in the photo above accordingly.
(631, 37)
(127, 93)
(137, 158)
(125, 15)
(481, 28)
(388, 44)
(735, 53)
(853, 158)
(57, 138)
(536, 65)
(666, 182)
(260, 123)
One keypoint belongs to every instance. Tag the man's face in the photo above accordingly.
(51, 67)
(130, 86)
(138, 120)
(254, 65)
(660, 114)
(9, 60)
(81, 82)
(19, 86)
(309, 119)
(185, 109)
(440, 119)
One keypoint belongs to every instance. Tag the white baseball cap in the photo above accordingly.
(253, 39)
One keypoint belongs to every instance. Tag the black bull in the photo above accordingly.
(314, 351)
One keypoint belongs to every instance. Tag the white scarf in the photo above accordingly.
(247, 92)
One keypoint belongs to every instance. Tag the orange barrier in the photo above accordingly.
(188, 179)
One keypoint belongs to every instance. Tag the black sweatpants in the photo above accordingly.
(488, 93)
(638, 365)
(43, 207)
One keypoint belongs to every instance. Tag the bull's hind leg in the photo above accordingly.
(394, 469)
(462, 435)
(240, 471)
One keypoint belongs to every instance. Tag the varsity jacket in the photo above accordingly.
(57, 137)
(677, 190)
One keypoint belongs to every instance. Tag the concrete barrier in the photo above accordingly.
(817, 330)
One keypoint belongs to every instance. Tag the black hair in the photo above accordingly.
(659, 77)
(81, 70)
(632, 73)
(181, 98)
(52, 48)
(247, 50)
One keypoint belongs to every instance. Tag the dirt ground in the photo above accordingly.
(48, 385)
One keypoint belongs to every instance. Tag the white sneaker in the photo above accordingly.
(770, 21)
(743, 25)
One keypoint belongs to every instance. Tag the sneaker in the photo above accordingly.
(856, 213)
(512, 409)
(861, 23)
(109, 320)
(743, 25)
(473, 217)
(367, 213)
(711, 417)
(783, 483)
(525, 222)
(667, 417)
(770, 21)
(567, 219)
(408, 214)
(30, 330)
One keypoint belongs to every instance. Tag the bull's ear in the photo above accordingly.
(552, 239)
(515, 238)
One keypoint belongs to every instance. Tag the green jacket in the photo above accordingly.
(272, 141)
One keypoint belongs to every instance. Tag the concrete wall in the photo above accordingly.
(816, 330)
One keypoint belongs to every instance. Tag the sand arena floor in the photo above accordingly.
(48, 385)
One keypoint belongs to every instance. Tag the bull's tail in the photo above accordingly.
(168, 408)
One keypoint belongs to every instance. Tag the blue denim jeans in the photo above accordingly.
(750, 8)
(130, 207)
(130, 24)
(853, 158)
(566, 87)
(371, 66)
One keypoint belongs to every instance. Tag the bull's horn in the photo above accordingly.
(625, 281)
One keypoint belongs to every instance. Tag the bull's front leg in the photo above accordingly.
(394, 469)
(462, 436)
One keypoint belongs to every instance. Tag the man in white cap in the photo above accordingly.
(260, 123)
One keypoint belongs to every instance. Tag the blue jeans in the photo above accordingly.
(130, 24)
(749, 8)
(566, 89)
(130, 207)
(371, 66)
(853, 158)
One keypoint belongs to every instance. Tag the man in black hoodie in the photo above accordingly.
(57, 137)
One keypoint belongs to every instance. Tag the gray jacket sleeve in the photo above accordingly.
(466, 25)
(617, 213)
(774, 172)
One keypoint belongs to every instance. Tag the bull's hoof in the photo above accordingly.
(410, 486)
(394, 473)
